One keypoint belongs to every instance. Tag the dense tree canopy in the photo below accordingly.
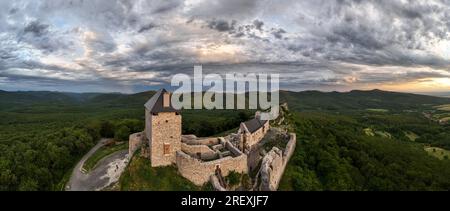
(334, 154)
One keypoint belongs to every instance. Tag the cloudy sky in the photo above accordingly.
(131, 46)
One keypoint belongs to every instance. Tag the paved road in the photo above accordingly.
(106, 172)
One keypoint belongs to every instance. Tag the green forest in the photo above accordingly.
(359, 140)
(334, 153)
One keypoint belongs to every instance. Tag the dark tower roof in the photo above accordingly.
(254, 124)
(155, 104)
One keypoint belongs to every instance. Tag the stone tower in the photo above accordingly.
(162, 129)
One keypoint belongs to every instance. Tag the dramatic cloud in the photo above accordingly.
(129, 46)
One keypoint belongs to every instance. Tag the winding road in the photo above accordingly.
(106, 172)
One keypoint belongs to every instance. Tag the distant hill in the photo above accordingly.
(305, 100)
(357, 99)
(437, 94)
(9, 99)
(137, 99)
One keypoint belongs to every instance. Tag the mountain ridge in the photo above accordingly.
(302, 100)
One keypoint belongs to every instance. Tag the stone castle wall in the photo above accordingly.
(165, 130)
(148, 125)
(290, 147)
(135, 142)
(271, 169)
(200, 172)
(274, 164)
(216, 184)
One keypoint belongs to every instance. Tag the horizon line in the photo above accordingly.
(280, 90)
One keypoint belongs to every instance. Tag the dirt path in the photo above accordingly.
(106, 172)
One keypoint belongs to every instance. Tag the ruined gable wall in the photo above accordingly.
(166, 129)
(258, 135)
(199, 172)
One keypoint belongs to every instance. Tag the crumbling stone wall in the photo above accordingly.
(271, 167)
(290, 147)
(195, 150)
(135, 142)
(193, 140)
(233, 149)
(199, 172)
(274, 164)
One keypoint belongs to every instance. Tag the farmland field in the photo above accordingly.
(445, 107)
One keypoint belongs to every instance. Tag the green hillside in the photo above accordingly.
(334, 153)
(43, 134)
(359, 100)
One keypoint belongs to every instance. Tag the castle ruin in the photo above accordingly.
(201, 160)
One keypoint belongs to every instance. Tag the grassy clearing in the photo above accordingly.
(383, 134)
(369, 132)
(101, 153)
(139, 176)
(445, 119)
(438, 152)
(411, 136)
(441, 115)
(445, 107)
(377, 110)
